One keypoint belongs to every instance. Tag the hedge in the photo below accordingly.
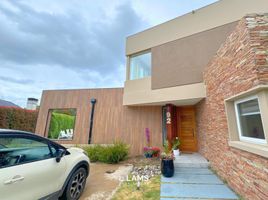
(18, 119)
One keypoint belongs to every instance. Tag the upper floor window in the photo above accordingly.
(140, 66)
(249, 119)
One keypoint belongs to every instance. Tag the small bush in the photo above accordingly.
(94, 152)
(108, 154)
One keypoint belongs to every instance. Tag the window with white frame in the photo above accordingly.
(140, 66)
(250, 126)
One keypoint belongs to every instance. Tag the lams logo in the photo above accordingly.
(138, 178)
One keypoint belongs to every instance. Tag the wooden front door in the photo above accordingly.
(186, 128)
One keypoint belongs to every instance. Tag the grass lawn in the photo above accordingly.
(149, 190)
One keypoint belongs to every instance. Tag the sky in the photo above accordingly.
(73, 44)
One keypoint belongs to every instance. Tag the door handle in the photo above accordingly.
(15, 179)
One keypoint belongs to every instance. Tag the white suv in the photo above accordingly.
(33, 167)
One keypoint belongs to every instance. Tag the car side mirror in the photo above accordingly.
(59, 155)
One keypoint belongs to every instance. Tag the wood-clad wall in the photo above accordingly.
(112, 120)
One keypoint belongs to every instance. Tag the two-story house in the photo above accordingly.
(202, 77)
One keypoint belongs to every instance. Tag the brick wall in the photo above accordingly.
(240, 64)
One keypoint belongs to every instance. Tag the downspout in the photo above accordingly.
(93, 101)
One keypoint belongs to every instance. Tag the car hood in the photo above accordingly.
(72, 149)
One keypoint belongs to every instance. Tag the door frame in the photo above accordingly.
(171, 125)
(179, 111)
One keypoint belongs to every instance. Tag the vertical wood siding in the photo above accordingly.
(112, 120)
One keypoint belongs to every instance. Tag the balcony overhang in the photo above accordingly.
(139, 93)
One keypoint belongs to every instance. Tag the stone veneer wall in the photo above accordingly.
(240, 64)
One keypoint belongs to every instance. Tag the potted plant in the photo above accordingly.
(156, 152)
(175, 146)
(148, 152)
(167, 164)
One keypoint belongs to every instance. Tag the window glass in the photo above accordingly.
(53, 151)
(140, 66)
(62, 123)
(250, 119)
(14, 151)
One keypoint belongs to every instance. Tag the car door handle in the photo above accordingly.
(14, 180)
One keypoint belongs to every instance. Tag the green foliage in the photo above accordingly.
(19, 119)
(115, 153)
(167, 151)
(58, 122)
(108, 154)
(175, 143)
(94, 152)
(166, 147)
(149, 190)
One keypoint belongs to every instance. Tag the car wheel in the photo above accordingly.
(76, 185)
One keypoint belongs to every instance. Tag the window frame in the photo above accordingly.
(136, 55)
(238, 121)
(49, 143)
(48, 122)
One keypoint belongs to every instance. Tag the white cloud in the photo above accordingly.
(53, 44)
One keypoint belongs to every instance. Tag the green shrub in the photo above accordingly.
(94, 152)
(108, 154)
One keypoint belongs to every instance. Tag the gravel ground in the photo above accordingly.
(102, 185)
(105, 179)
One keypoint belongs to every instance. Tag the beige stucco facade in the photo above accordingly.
(206, 18)
(182, 61)
(180, 49)
(139, 92)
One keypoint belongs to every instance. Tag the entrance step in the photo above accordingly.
(206, 179)
(196, 191)
(193, 171)
(194, 160)
(195, 183)
(193, 180)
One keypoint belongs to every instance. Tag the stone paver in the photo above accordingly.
(209, 191)
(194, 180)
(191, 160)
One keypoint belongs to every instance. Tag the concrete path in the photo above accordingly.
(194, 180)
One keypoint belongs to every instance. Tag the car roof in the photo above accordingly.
(13, 131)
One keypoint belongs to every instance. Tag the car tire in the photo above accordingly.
(76, 185)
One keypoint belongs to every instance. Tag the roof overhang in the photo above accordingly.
(139, 93)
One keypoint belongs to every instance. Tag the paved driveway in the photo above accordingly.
(98, 185)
